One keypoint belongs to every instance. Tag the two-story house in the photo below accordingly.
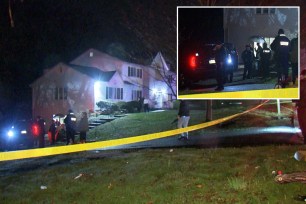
(95, 76)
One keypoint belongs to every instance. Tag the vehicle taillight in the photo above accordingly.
(193, 61)
(35, 130)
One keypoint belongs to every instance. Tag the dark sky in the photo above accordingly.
(46, 32)
(200, 25)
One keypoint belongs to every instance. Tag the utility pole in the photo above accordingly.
(208, 110)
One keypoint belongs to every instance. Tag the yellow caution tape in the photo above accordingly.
(31, 153)
(287, 93)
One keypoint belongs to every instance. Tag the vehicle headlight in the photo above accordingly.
(23, 132)
(229, 60)
(10, 133)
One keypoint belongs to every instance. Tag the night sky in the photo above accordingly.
(52, 31)
(200, 25)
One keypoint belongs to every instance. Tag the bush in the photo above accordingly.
(103, 105)
(130, 106)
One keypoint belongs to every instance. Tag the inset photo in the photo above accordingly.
(238, 52)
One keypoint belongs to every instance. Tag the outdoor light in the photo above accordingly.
(154, 91)
(23, 132)
(197, 54)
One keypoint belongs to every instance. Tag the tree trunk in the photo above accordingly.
(293, 177)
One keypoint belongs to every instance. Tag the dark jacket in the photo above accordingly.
(281, 45)
(247, 56)
(184, 109)
(70, 125)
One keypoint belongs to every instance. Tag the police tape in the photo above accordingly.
(48, 151)
(287, 93)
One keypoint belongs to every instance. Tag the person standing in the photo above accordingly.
(146, 105)
(247, 57)
(281, 48)
(259, 52)
(70, 127)
(294, 59)
(183, 117)
(52, 130)
(41, 131)
(83, 127)
(221, 55)
(265, 60)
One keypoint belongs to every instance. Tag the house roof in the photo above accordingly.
(93, 72)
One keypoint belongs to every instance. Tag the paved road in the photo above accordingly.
(234, 138)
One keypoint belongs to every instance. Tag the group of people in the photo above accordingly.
(284, 51)
(71, 129)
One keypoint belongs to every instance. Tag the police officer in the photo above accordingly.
(247, 57)
(70, 127)
(221, 54)
(41, 131)
(281, 47)
(265, 60)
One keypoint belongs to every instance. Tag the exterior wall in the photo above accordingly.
(242, 23)
(83, 92)
(151, 79)
(80, 94)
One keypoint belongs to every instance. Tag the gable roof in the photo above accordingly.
(93, 72)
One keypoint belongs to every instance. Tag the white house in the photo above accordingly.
(258, 24)
(95, 76)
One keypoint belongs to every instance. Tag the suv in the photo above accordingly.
(17, 135)
(199, 63)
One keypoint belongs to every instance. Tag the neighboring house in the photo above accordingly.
(95, 76)
(251, 25)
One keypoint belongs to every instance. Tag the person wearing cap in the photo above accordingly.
(281, 48)
(247, 57)
(265, 60)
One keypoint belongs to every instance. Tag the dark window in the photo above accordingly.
(272, 11)
(114, 93)
(60, 93)
(134, 72)
(258, 10)
(265, 10)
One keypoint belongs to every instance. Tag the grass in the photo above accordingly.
(145, 123)
(184, 175)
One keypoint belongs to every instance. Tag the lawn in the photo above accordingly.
(145, 123)
(180, 175)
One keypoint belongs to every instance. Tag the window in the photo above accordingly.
(136, 94)
(134, 72)
(114, 93)
(265, 10)
(60, 93)
(258, 10)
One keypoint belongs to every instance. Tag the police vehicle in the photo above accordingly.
(199, 63)
(19, 134)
